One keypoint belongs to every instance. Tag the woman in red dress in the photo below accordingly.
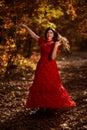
(47, 90)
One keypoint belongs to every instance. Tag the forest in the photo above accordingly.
(19, 55)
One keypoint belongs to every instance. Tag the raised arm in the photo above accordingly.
(32, 34)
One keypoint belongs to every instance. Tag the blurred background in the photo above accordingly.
(19, 54)
(68, 17)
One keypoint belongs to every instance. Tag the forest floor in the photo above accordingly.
(14, 90)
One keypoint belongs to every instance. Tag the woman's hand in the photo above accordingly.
(32, 34)
(21, 25)
(58, 43)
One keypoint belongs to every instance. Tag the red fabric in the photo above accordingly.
(47, 90)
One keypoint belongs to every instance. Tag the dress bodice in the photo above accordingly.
(46, 47)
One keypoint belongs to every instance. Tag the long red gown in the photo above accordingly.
(47, 90)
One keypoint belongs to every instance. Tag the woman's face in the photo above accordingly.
(50, 35)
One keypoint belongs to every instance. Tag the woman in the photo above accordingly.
(47, 91)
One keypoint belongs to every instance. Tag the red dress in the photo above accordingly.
(47, 90)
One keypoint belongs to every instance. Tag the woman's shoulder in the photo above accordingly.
(41, 40)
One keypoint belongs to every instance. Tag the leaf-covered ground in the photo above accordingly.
(14, 90)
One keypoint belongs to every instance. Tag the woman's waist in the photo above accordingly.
(45, 56)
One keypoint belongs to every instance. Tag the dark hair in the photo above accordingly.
(55, 38)
(58, 37)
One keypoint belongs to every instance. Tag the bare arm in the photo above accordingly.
(32, 34)
(54, 52)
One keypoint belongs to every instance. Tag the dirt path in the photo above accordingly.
(14, 116)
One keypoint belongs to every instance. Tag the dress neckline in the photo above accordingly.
(49, 42)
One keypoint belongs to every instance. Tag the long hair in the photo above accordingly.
(65, 43)
(58, 37)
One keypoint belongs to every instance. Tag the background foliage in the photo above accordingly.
(68, 17)
(19, 55)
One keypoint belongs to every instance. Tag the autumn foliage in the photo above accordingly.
(68, 17)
